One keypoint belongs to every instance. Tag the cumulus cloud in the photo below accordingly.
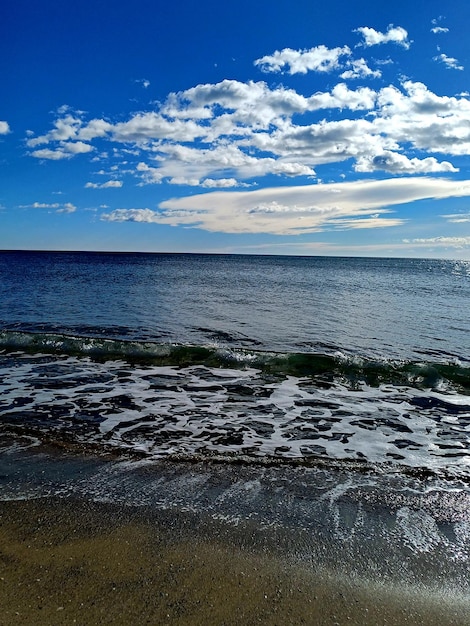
(439, 29)
(108, 184)
(198, 164)
(65, 150)
(4, 128)
(76, 147)
(65, 128)
(230, 133)
(396, 163)
(317, 59)
(449, 62)
(52, 155)
(394, 34)
(242, 131)
(143, 127)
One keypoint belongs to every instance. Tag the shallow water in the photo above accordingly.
(235, 412)
(378, 529)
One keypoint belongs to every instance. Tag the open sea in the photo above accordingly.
(304, 392)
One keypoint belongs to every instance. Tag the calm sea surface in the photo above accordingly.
(380, 308)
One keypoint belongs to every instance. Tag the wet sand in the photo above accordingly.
(64, 561)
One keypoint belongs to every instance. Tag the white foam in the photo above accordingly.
(166, 411)
(419, 530)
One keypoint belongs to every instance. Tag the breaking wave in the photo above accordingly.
(332, 365)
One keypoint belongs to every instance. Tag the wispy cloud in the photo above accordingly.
(457, 218)
(66, 207)
(449, 62)
(439, 29)
(107, 185)
(144, 82)
(360, 69)
(447, 242)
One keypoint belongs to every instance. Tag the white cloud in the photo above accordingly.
(366, 222)
(76, 147)
(360, 69)
(396, 163)
(224, 134)
(246, 130)
(325, 142)
(184, 165)
(318, 59)
(394, 34)
(242, 119)
(449, 62)
(439, 29)
(53, 155)
(65, 150)
(66, 207)
(144, 82)
(95, 128)
(65, 128)
(426, 121)
(144, 127)
(108, 184)
(130, 215)
(4, 128)
(219, 183)
(452, 242)
(457, 218)
(310, 208)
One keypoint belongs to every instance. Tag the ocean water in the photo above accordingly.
(255, 357)
(330, 396)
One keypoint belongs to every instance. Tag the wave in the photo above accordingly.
(443, 375)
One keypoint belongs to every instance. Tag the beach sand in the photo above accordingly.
(64, 561)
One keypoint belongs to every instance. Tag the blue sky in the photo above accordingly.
(280, 127)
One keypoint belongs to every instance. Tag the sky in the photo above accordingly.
(252, 127)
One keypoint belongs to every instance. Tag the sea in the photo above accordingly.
(317, 395)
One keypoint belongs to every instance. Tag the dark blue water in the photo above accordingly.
(386, 308)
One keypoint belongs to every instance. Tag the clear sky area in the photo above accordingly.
(264, 127)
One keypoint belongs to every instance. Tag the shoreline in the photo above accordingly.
(65, 561)
(88, 539)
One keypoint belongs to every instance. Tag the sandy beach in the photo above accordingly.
(77, 562)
